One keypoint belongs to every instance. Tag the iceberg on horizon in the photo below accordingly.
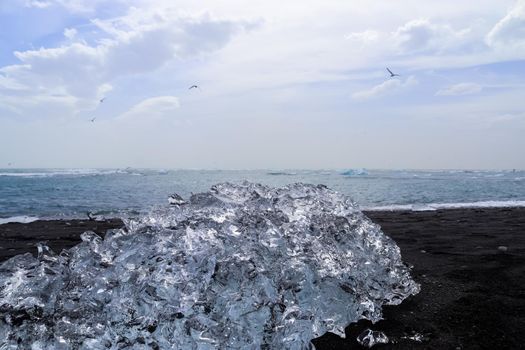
(355, 172)
(239, 267)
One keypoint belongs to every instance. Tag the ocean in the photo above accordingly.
(27, 194)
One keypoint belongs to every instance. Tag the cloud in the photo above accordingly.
(510, 30)
(70, 33)
(154, 108)
(7, 83)
(137, 43)
(422, 35)
(460, 89)
(133, 47)
(37, 3)
(385, 88)
(510, 117)
(73, 6)
(367, 36)
(421, 43)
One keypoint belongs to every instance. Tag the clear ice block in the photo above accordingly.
(241, 266)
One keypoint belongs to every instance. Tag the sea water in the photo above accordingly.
(26, 194)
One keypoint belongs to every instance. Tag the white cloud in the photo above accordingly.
(137, 43)
(37, 3)
(7, 83)
(460, 89)
(70, 33)
(510, 117)
(388, 87)
(73, 6)
(510, 30)
(423, 43)
(151, 109)
(367, 36)
(423, 35)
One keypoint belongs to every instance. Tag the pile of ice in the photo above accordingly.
(239, 267)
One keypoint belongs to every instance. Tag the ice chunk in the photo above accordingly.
(175, 199)
(355, 172)
(238, 267)
(417, 337)
(369, 338)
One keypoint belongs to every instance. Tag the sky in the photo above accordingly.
(283, 84)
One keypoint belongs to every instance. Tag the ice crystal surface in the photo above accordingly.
(368, 338)
(238, 267)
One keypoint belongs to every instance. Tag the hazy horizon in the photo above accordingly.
(295, 85)
(266, 169)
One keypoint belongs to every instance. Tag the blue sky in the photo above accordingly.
(298, 84)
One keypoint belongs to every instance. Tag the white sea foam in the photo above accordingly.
(24, 219)
(61, 172)
(437, 206)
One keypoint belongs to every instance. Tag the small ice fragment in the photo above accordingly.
(90, 236)
(175, 199)
(369, 338)
(418, 337)
(355, 172)
(502, 248)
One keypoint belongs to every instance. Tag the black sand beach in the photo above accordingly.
(472, 293)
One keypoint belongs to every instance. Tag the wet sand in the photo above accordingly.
(472, 293)
(17, 238)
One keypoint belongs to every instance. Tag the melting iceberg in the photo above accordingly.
(355, 172)
(239, 267)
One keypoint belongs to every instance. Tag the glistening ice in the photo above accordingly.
(238, 267)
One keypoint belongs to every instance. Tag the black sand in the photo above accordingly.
(16, 238)
(472, 293)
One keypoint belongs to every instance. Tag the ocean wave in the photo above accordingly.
(438, 206)
(280, 173)
(24, 219)
(64, 172)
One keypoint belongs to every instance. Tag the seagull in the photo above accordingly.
(102, 99)
(93, 119)
(194, 87)
(392, 74)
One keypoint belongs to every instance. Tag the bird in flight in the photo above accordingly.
(93, 119)
(392, 74)
(102, 99)
(194, 87)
